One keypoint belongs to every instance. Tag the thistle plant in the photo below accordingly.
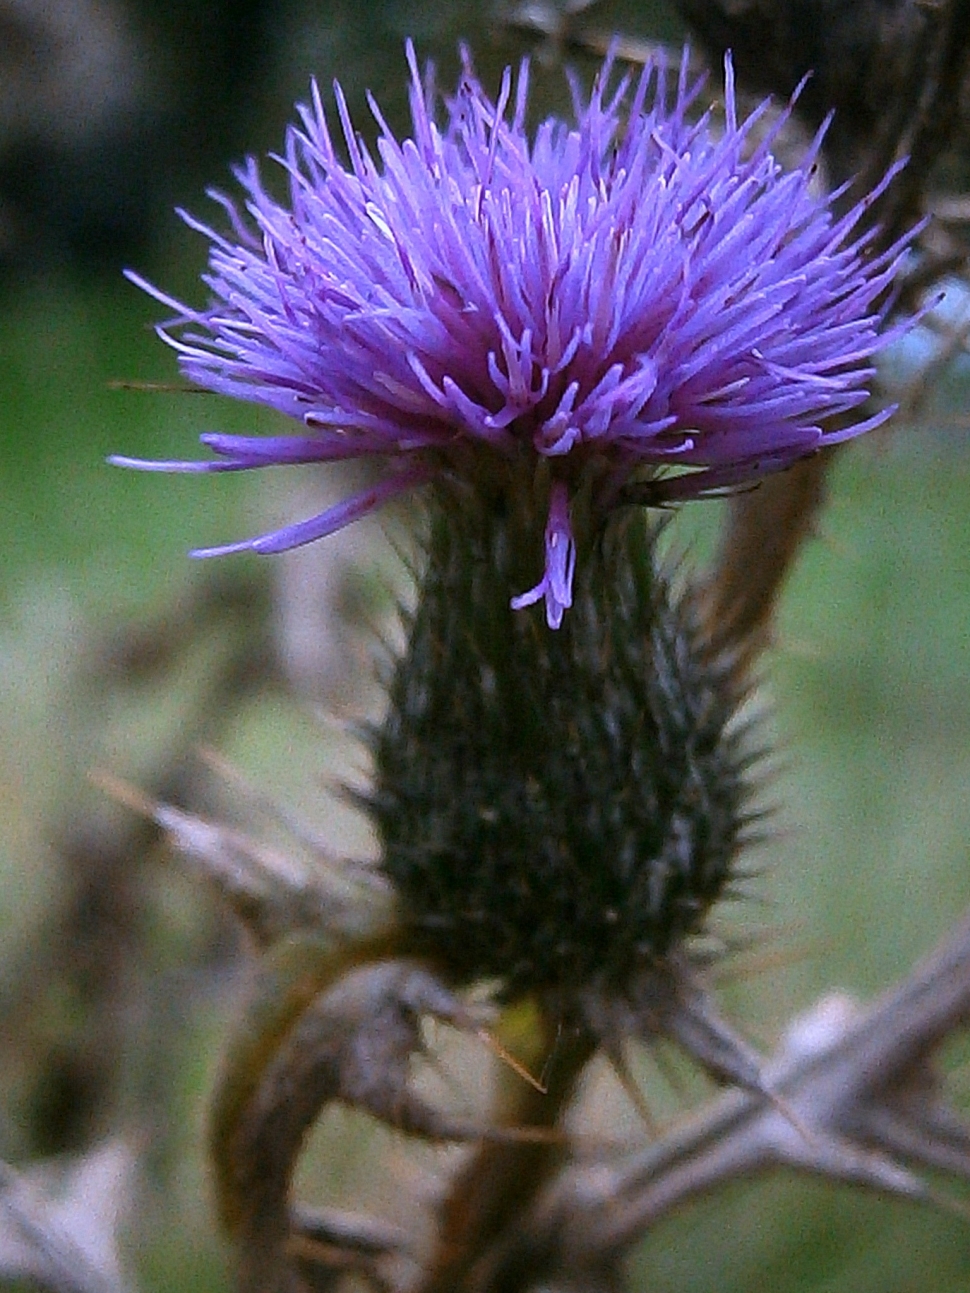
(544, 337)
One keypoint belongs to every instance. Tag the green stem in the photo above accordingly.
(499, 1182)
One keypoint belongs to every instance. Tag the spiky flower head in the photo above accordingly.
(635, 306)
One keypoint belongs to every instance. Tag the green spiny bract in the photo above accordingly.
(554, 808)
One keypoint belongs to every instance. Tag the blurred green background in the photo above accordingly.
(868, 684)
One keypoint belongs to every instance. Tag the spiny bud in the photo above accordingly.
(555, 809)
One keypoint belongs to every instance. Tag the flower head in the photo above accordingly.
(634, 298)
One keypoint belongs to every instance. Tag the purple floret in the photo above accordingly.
(634, 298)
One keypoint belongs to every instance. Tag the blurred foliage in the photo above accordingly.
(868, 683)
(113, 111)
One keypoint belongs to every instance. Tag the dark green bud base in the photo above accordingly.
(556, 809)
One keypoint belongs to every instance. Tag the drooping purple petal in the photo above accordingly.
(324, 523)
(556, 585)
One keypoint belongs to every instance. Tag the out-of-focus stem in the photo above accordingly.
(763, 533)
(500, 1181)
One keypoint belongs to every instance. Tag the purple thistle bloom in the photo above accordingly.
(631, 301)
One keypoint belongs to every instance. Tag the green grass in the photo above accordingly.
(111, 534)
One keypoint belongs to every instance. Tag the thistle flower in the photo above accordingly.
(633, 307)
